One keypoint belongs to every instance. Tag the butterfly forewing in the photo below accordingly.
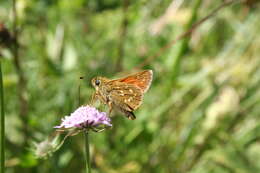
(142, 79)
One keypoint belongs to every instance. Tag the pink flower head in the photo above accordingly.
(83, 117)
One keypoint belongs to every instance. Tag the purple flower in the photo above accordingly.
(83, 117)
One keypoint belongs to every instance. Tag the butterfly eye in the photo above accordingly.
(97, 82)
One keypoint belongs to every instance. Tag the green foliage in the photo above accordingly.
(201, 117)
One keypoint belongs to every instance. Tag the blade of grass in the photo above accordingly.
(186, 33)
(189, 133)
(122, 36)
(2, 130)
(184, 44)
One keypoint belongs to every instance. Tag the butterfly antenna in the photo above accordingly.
(79, 98)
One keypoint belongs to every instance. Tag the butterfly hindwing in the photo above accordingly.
(126, 96)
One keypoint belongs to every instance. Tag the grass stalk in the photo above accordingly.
(184, 44)
(122, 37)
(2, 122)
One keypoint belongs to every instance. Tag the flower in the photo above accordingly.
(84, 117)
(48, 146)
(43, 149)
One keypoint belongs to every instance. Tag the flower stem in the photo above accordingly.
(88, 168)
(87, 155)
(2, 122)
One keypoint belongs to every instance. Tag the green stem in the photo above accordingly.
(184, 45)
(86, 136)
(2, 121)
(87, 157)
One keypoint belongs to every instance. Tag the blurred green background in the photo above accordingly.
(200, 115)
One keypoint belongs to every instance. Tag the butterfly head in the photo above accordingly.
(96, 82)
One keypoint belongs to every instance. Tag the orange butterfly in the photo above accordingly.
(124, 94)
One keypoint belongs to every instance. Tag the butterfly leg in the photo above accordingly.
(93, 98)
(110, 108)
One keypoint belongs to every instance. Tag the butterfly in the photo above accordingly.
(124, 94)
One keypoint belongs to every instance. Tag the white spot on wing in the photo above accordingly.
(121, 93)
